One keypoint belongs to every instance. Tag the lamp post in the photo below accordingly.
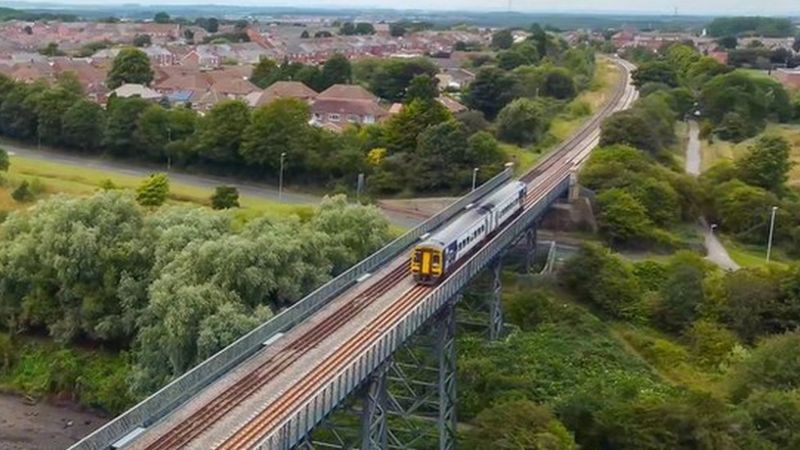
(280, 177)
(474, 177)
(771, 229)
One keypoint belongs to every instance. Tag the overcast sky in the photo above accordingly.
(688, 7)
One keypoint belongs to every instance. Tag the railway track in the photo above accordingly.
(213, 410)
(585, 131)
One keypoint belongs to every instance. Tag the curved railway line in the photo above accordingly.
(190, 429)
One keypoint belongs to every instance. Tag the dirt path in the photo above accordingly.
(42, 426)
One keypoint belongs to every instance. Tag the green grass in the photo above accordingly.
(523, 158)
(720, 150)
(754, 256)
(70, 179)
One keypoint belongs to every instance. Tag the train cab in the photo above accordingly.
(427, 263)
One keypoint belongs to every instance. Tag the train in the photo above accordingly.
(439, 254)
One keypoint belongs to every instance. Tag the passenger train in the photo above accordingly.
(434, 258)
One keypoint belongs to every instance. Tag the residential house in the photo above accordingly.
(345, 103)
(136, 90)
(788, 77)
(281, 89)
(451, 104)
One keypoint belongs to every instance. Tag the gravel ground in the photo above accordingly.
(42, 426)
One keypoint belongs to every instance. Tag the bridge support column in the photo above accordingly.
(496, 300)
(530, 247)
(574, 187)
(446, 354)
(373, 418)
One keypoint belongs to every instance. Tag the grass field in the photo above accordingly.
(754, 255)
(63, 178)
(720, 150)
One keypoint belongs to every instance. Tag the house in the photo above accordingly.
(345, 103)
(452, 105)
(454, 79)
(281, 89)
(136, 90)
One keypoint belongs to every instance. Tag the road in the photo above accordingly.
(715, 251)
(693, 150)
(141, 169)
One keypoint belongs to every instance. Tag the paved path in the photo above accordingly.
(693, 150)
(715, 251)
(142, 169)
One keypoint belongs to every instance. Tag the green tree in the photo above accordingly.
(23, 193)
(751, 303)
(773, 365)
(491, 90)
(153, 190)
(304, 35)
(422, 87)
(336, 70)
(523, 121)
(83, 125)
(402, 129)
(225, 197)
(4, 162)
(152, 132)
(681, 295)
(622, 219)
(510, 59)
(161, 17)
(484, 151)
(728, 42)
(221, 131)
(347, 29)
(364, 28)
(123, 115)
(766, 163)
(558, 83)
(142, 40)
(502, 39)
(776, 416)
(743, 210)
(515, 425)
(655, 71)
(51, 105)
(18, 117)
(440, 156)
(131, 65)
(389, 79)
(735, 128)
(265, 73)
(51, 50)
(278, 127)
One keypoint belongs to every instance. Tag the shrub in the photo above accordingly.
(776, 416)
(521, 422)
(773, 364)
(153, 190)
(710, 342)
(225, 197)
(22, 193)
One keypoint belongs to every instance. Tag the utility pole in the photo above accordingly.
(474, 177)
(280, 178)
(771, 230)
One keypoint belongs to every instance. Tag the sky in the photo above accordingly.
(684, 7)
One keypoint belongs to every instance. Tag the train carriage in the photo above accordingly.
(432, 259)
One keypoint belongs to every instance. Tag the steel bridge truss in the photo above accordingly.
(409, 402)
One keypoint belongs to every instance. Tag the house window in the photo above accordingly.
(334, 117)
(318, 117)
(352, 118)
(369, 119)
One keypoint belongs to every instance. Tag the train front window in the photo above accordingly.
(436, 259)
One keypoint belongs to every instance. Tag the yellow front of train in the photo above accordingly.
(427, 264)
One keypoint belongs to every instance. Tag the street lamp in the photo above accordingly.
(280, 177)
(771, 229)
(474, 177)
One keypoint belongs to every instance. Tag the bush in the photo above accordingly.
(23, 194)
(710, 342)
(773, 364)
(509, 425)
(153, 190)
(225, 197)
(776, 416)
(4, 162)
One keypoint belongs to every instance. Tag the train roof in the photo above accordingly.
(454, 229)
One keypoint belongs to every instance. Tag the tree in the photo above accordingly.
(221, 131)
(131, 65)
(728, 42)
(153, 190)
(522, 122)
(83, 125)
(491, 90)
(265, 73)
(735, 128)
(153, 132)
(347, 29)
(336, 70)
(422, 87)
(558, 83)
(4, 162)
(364, 28)
(389, 79)
(509, 60)
(51, 50)
(766, 163)
(278, 127)
(440, 157)
(397, 29)
(622, 218)
(483, 151)
(323, 34)
(304, 34)
(18, 111)
(142, 40)
(776, 416)
(502, 39)
(23, 194)
(655, 71)
(225, 197)
(773, 365)
(161, 17)
(402, 129)
(51, 106)
(123, 115)
(518, 424)
(743, 210)
(681, 296)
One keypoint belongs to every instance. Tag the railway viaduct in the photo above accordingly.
(370, 340)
